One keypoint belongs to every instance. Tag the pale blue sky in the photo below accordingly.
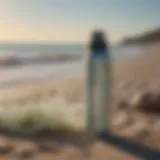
(72, 20)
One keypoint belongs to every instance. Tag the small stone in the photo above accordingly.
(45, 147)
(147, 102)
(26, 150)
(5, 146)
(122, 104)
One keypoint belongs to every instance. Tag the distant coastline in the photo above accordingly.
(148, 37)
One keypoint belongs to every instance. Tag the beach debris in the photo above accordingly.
(147, 102)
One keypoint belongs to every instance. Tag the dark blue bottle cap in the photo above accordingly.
(98, 44)
(98, 41)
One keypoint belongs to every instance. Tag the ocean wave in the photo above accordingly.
(25, 57)
(35, 58)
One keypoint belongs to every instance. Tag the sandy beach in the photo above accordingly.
(131, 116)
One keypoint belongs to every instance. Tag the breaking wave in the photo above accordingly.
(8, 59)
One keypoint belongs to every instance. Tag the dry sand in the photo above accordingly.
(130, 79)
(74, 148)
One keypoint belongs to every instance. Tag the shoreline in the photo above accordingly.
(14, 74)
(54, 67)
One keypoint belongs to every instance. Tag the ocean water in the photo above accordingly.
(29, 63)
(118, 52)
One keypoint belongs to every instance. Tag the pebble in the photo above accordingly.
(25, 150)
(5, 146)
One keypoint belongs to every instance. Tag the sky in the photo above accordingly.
(71, 21)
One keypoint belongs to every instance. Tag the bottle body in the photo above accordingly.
(98, 87)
